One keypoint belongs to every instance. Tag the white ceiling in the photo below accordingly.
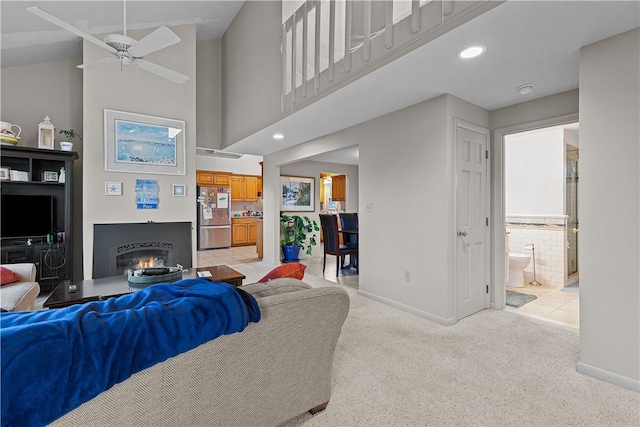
(28, 39)
(534, 42)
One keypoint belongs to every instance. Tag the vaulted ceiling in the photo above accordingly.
(528, 42)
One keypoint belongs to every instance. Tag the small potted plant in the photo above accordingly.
(70, 134)
(294, 231)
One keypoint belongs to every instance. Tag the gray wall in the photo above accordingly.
(209, 93)
(31, 92)
(313, 169)
(609, 247)
(135, 90)
(406, 171)
(251, 74)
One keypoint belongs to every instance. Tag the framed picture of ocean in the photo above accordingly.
(139, 143)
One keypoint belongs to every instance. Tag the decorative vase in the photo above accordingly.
(290, 253)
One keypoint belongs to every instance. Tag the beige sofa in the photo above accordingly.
(20, 296)
(271, 372)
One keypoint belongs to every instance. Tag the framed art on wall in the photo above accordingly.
(298, 193)
(139, 143)
(50, 176)
(179, 190)
(4, 173)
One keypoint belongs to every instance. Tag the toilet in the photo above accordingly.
(517, 263)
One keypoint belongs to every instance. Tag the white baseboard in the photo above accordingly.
(609, 377)
(409, 309)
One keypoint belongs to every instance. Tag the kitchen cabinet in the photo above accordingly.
(243, 231)
(244, 188)
(338, 188)
(210, 178)
(260, 187)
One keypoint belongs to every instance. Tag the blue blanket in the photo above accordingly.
(54, 360)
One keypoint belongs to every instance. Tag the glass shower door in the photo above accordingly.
(572, 211)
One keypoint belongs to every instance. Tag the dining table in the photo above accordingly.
(350, 232)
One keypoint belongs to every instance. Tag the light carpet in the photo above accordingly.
(494, 368)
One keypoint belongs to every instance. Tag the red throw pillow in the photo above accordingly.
(294, 270)
(7, 276)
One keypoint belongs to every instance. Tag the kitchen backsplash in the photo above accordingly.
(238, 208)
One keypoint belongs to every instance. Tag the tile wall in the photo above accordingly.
(549, 235)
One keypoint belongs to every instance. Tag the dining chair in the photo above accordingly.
(349, 221)
(332, 246)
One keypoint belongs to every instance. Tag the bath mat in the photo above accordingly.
(516, 299)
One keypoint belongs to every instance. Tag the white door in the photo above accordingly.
(472, 219)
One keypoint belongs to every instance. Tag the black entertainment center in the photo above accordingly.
(36, 212)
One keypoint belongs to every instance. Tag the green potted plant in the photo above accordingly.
(70, 134)
(294, 231)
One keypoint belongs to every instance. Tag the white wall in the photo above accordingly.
(410, 184)
(534, 173)
(137, 91)
(313, 170)
(245, 165)
(609, 206)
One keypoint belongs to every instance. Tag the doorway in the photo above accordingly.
(541, 222)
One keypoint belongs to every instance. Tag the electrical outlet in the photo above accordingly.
(368, 207)
(407, 276)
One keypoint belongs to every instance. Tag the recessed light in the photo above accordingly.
(472, 52)
(525, 89)
(278, 136)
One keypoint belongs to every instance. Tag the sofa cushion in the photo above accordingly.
(7, 276)
(294, 270)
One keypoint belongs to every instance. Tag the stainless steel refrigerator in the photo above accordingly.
(214, 217)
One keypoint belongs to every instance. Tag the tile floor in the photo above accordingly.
(551, 304)
(248, 254)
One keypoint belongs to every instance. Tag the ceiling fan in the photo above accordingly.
(124, 50)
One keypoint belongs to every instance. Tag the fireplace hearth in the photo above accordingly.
(120, 248)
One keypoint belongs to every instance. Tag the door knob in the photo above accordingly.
(575, 230)
(462, 233)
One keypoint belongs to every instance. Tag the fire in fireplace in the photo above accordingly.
(143, 254)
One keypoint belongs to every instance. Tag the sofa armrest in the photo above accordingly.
(26, 271)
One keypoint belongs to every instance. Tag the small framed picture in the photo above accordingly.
(179, 190)
(4, 173)
(19, 175)
(113, 189)
(50, 176)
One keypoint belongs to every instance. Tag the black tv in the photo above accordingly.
(26, 216)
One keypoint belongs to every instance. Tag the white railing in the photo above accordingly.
(317, 56)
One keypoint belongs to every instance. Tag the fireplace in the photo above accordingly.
(118, 248)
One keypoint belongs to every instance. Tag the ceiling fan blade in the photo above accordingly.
(161, 71)
(60, 23)
(100, 63)
(159, 39)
